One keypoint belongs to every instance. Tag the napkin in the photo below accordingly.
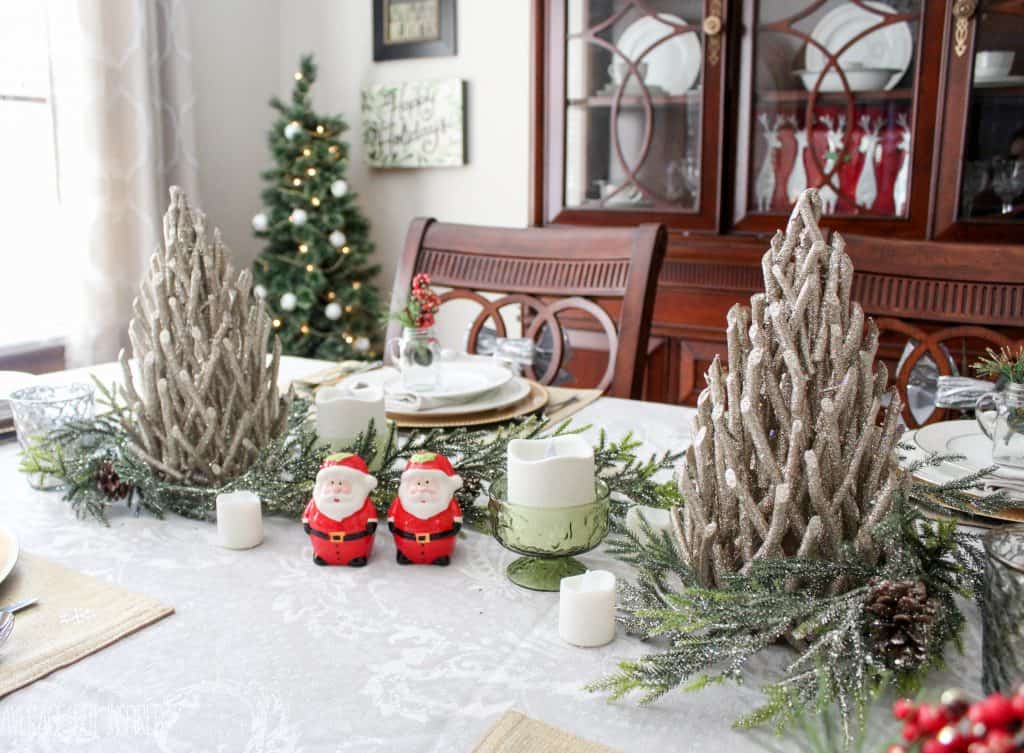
(402, 401)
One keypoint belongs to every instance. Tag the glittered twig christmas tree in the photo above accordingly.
(203, 393)
(787, 456)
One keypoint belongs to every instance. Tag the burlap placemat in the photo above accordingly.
(517, 733)
(77, 615)
(565, 401)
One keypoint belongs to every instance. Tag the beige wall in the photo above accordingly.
(245, 48)
(235, 70)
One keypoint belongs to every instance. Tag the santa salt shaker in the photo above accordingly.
(424, 517)
(340, 518)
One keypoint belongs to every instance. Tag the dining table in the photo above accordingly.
(267, 652)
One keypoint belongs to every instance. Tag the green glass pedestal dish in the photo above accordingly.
(547, 537)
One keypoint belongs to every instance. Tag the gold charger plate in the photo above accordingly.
(979, 517)
(532, 403)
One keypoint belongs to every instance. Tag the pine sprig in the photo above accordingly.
(1003, 363)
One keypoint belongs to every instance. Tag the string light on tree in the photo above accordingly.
(315, 267)
(276, 323)
(298, 75)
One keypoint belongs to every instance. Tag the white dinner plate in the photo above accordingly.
(891, 46)
(963, 438)
(990, 82)
(8, 552)
(509, 393)
(674, 64)
(461, 381)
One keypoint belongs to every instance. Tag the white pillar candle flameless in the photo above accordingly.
(239, 520)
(554, 472)
(343, 412)
(586, 609)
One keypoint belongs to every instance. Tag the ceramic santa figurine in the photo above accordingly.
(340, 518)
(425, 518)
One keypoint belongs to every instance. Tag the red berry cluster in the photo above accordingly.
(427, 301)
(992, 725)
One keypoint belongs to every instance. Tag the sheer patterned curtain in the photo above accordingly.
(123, 119)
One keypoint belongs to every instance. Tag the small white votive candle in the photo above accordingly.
(239, 520)
(344, 412)
(658, 519)
(586, 609)
(555, 472)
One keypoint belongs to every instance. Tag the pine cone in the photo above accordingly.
(900, 615)
(109, 483)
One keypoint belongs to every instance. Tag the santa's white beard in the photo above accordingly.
(338, 507)
(423, 507)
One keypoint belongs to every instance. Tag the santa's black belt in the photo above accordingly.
(336, 536)
(423, 538)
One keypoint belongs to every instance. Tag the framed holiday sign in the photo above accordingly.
(415, 123)
(413, 28)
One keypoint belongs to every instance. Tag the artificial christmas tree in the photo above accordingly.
(314, 273)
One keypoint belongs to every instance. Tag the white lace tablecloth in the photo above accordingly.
(267, 652)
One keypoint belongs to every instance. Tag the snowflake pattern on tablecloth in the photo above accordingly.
(76, 616)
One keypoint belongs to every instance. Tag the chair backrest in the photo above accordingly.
(925, 354)
(605, 274)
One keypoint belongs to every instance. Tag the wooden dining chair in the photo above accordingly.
(565, 278)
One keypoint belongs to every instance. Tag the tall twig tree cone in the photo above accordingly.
(203, 392)
(790, 455)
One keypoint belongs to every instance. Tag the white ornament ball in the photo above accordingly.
(339, 188)
(333, 311)
(292, 130)
(361, 344)
(259, 222)
(298, 217)
(289, 301)
(337, 239)
(260, 292)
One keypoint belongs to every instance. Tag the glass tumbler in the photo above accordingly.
(40, 409)
(1003, 610)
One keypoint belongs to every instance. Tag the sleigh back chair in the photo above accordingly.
(560, 281)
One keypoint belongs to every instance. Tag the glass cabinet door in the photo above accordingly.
(632, 103)
(832, 90)
(992, 182)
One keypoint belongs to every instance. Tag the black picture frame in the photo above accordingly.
(443, 45)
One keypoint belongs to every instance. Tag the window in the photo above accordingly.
(34, 306)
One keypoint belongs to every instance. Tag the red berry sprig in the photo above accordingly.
(992, 725)
(420, 310)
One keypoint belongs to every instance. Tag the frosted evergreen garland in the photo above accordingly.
(202, 394)
(787, 458)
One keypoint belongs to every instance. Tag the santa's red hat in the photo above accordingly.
(345, 460)
(343, 466)
(430, 461)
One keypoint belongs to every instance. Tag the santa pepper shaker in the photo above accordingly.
(424, 517)
(340, 518)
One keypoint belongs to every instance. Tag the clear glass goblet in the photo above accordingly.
(1007, 180)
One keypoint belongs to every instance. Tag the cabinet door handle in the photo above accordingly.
(713, 31)
(963, 10)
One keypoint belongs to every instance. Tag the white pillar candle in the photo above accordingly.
(343, 412)
(586, 609)
(658, 519)
(555, 472)
(239, 520)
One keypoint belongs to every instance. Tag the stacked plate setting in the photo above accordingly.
(964, 438)
(467, 387)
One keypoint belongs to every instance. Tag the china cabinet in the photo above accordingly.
(711, 116)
